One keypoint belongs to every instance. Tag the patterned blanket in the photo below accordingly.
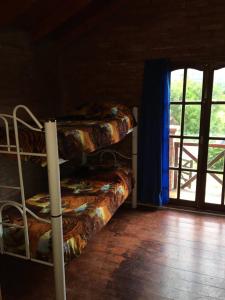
(88, 204)
(87, 129)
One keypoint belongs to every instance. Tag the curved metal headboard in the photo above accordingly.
(115, 154)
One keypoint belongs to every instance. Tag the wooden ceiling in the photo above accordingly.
(66, 19)
(40, 17)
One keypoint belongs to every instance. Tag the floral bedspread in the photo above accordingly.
(87, 129)
(88, 204)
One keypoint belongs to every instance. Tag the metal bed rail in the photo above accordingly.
(114, 153)
(51, 154)
(50, 130)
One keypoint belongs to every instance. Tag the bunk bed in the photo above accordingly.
(87, 129)
(57, 224)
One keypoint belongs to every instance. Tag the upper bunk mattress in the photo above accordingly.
(88, 204)
(87, 129)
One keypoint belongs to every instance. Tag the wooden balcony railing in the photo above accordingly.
(188, 163)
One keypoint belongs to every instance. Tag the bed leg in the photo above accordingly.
(134, 158)
(56, 209)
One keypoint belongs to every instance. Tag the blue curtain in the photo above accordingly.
(153, 146)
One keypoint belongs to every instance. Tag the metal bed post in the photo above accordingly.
(20, 170)
(6, 131)
(56, 209)
(12, 149)
(134, 158)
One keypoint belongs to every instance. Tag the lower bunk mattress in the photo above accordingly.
(88, 200)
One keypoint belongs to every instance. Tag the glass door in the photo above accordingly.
(197, 138)
(214, 198)
(185, 115)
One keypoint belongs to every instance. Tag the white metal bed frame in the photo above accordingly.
(50, 129)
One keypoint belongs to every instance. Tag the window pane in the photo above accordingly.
(213, 188)
(176, 85)
(188, 185)
(217, 121)
(192, 120)
(219, 85)
(174, 152)
(173, 183)
(175, 119)
(190, 154)
(194, 85)
(216, 153)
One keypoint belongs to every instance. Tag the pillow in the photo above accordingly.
(97, 111)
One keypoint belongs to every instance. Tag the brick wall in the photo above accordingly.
(27, 74)
(108, 62)
(16, 70)
(46, 80)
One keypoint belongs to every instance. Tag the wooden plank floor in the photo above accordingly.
(140, 254)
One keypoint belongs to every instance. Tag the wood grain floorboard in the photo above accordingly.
(140, 255)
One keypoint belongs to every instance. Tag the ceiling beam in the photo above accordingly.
(58, 16)
(88, 20)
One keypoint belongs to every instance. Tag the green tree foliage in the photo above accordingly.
(192, 112)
